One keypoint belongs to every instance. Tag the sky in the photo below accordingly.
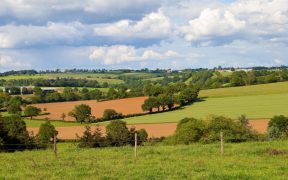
(136, 34)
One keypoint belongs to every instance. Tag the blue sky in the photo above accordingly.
(135, 34)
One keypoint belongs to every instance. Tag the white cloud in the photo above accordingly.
(211, 23)
(53, 33)
(153, 25)
(8, 62)
(120, 53)
(250, 20)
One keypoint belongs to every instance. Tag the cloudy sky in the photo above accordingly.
(137, 34)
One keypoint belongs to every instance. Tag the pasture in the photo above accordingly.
(254, 107)
(261, 89)
(251, 160)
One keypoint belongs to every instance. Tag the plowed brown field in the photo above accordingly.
(124, 106)
(153, 130)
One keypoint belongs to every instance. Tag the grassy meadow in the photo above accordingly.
(261, 89)
(251, 160)
(254, 107)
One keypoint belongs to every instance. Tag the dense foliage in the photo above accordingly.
(278, 127)
(191, 130)
(117, 134)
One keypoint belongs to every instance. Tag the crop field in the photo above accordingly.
(124, 106)
(251, 160)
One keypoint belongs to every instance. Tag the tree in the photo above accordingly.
(81, 113)
(32, 111)
(190, 130)
(13, 134)
(14, 108)
(110, 114)
(45, 134)
(117, 133)
(63, 116)
(278, 127)
(95, 94)
(92, 140)
(149, 104)
(165, 100)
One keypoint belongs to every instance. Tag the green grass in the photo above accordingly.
(257, 106)
(197, 161)
(37, 123)
(274, 88)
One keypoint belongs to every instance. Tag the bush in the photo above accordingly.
(278, 127)
(110, 114)
(117, 133)
(233, 130)
(92, 140)
(46, 134)
(190, 130)
(13, 134)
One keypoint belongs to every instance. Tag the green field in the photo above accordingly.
(258, 101)
(101, 78)
(254, 160)
(37, 123)
(262, 89)
(260, 106)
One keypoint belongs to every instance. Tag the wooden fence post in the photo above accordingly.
(222, 143)
(54, 145)
(135, 147)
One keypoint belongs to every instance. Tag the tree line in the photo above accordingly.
(166, 97)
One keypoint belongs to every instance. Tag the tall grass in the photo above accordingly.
(241, 161)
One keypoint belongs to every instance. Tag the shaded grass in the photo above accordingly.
(197, 161)
(37, 123)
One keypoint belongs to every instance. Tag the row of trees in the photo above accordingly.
(191, 130)
(82, 113)
(117, 134)
(58, 82)
(168, 96)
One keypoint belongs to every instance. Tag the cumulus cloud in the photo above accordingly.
(212, 23)
(259, 19)
(119, 54)
(12, 36)
(153, 25)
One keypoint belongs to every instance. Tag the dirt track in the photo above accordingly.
(124, 106)
(154, 130)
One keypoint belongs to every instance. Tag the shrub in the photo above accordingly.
(234, 131)
(13, 134)
(117, 133)
(278, 127)
(46, 134)
(110, 114)
(190, 130)
(92, 140)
